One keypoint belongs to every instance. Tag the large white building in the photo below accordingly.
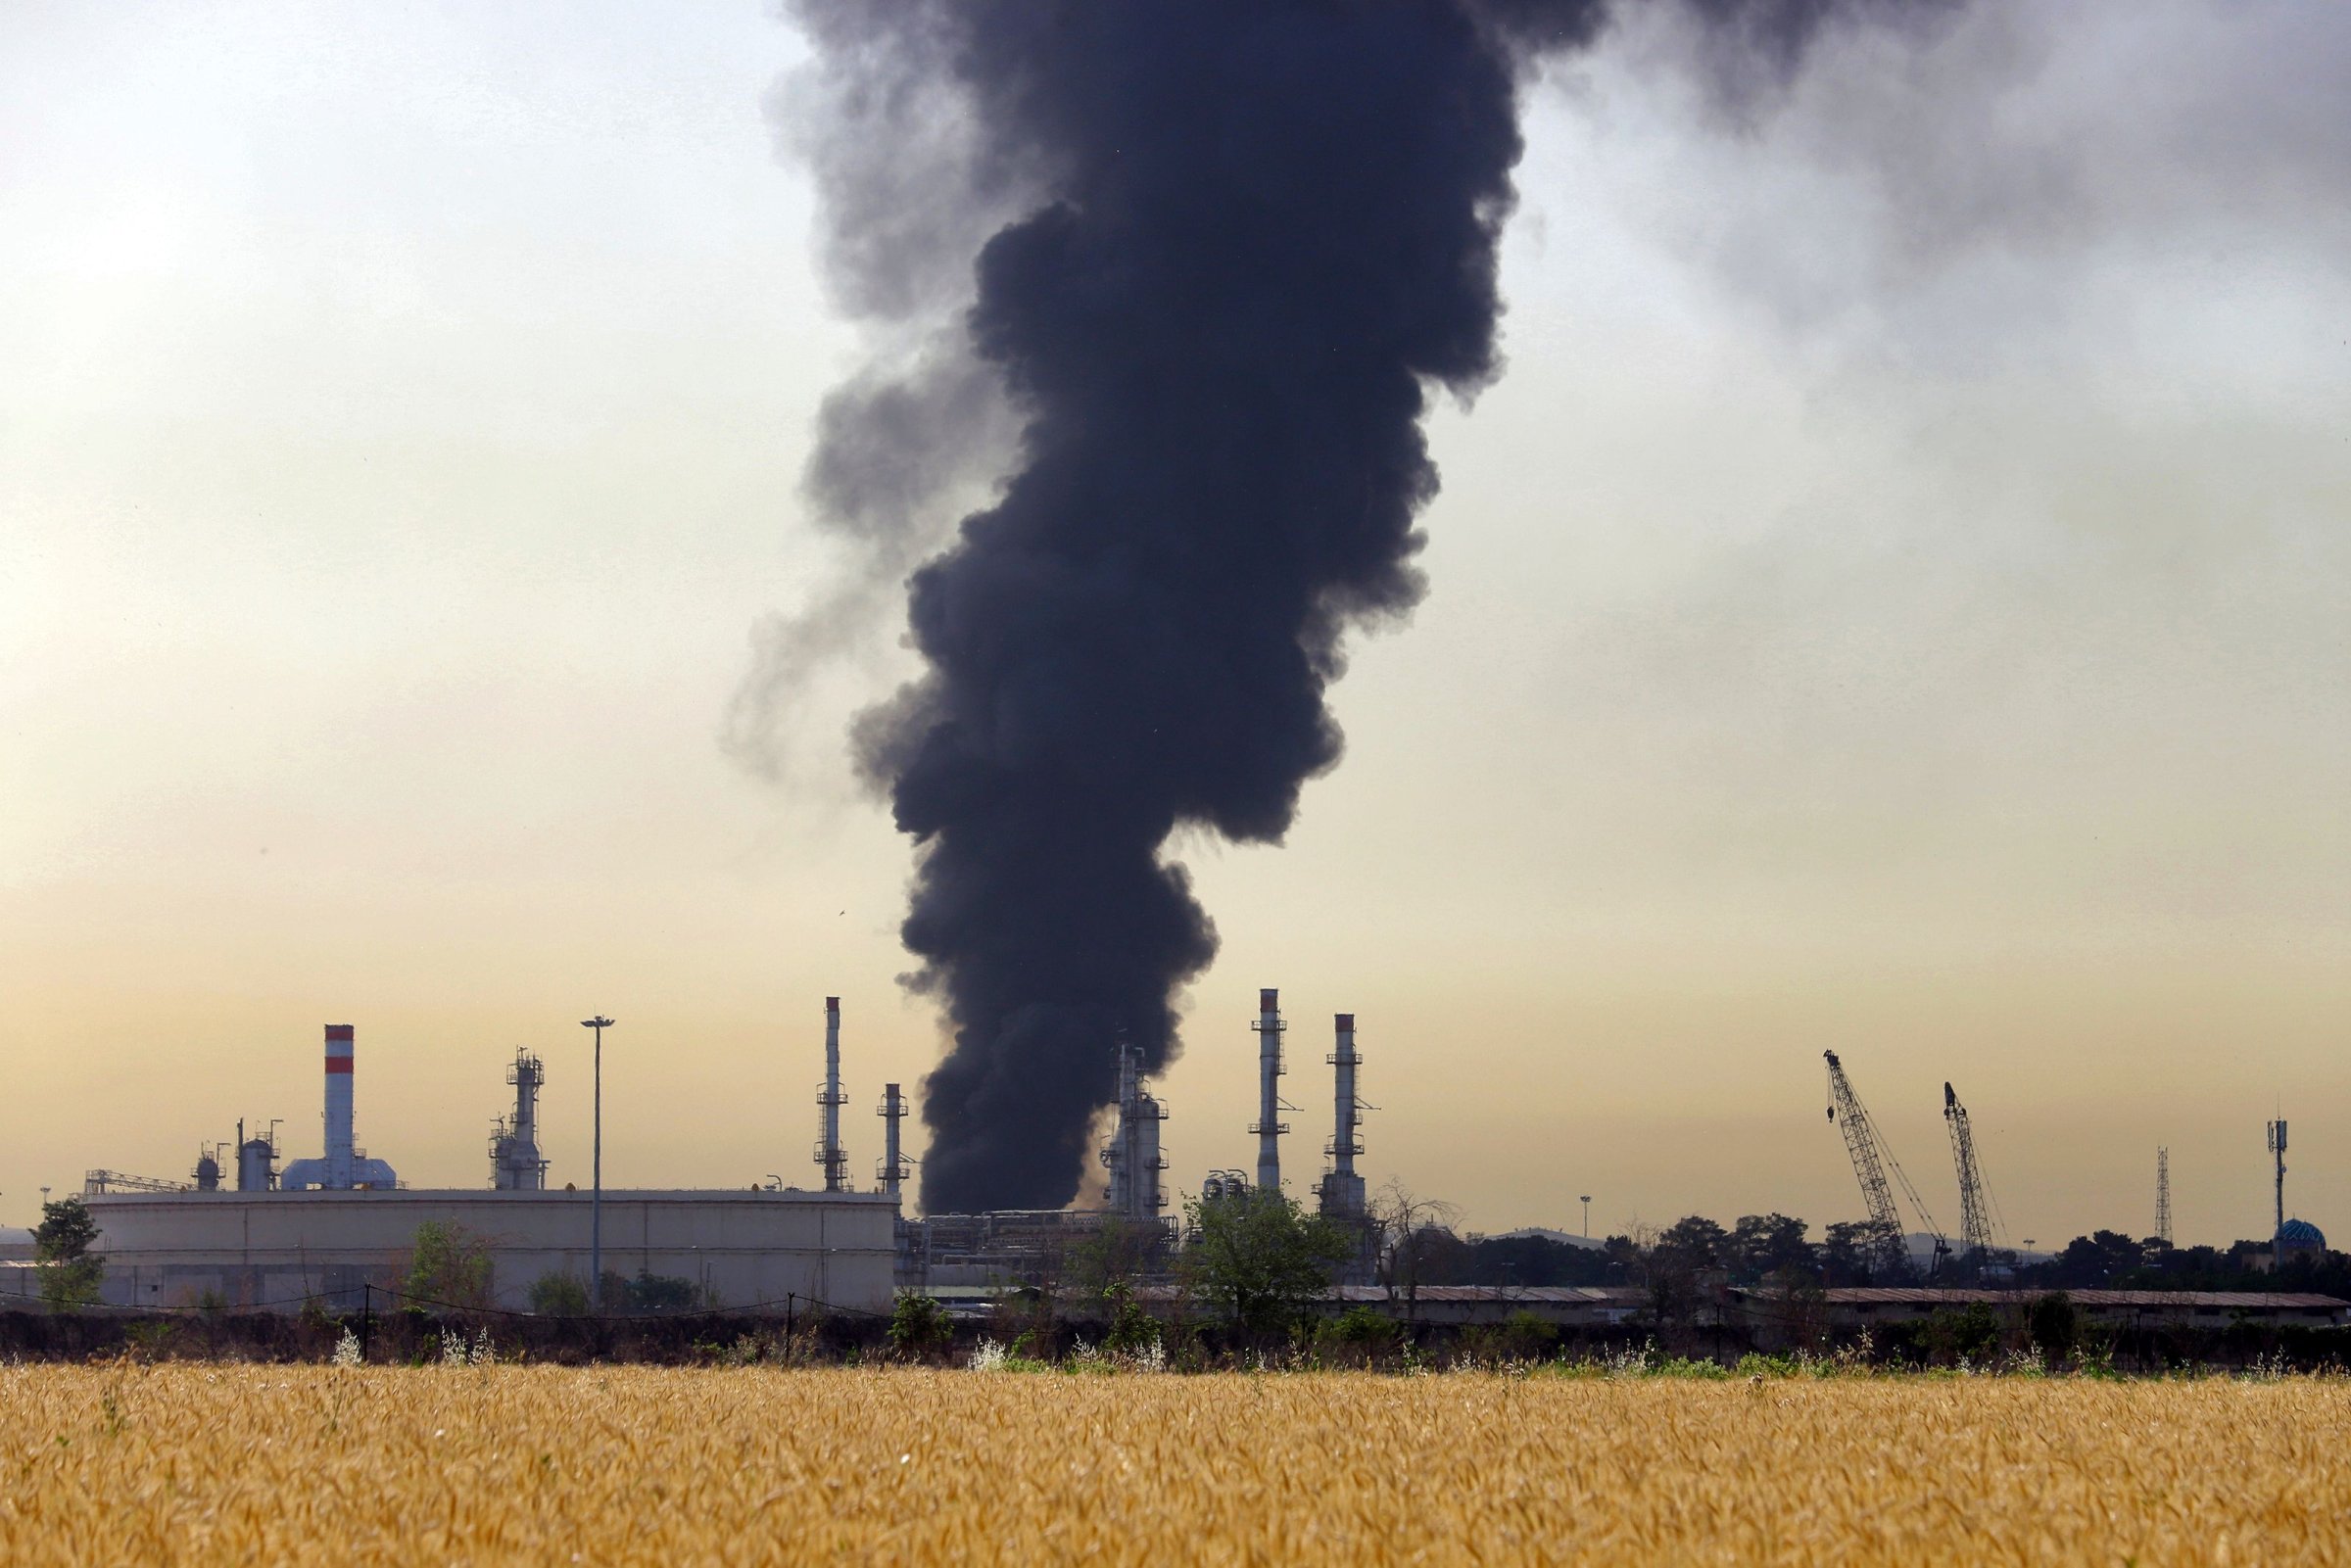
(747, 1249)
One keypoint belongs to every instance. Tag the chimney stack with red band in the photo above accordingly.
(338, 1107)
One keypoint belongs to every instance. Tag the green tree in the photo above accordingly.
(1699, 1242)
(559, 1295)
(1762, 1245)
(69, 1272)
(919, 1325)
(1846, 1254)
(1120, 1251)
(449, 1265)
(1259, 1258)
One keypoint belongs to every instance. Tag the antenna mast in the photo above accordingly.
(2277, 1149)
(2163, 1196)
(1890, 1254)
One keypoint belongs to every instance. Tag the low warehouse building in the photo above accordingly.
(1860, 1307)
(739, 1249)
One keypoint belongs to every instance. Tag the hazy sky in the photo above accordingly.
(1894, 603)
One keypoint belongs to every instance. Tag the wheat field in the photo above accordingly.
(184, 1463)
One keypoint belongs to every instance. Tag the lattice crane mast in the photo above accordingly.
(1975, 1202)
(1890, 1254)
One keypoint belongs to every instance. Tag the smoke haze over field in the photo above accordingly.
(1249, 240)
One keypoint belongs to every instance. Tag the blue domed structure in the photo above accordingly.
(2299, 1237)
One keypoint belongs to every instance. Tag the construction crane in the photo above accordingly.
(1975, 1204)
(1890, 1254)
(95, 1182)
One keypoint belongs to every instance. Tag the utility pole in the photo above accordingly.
(595, 1203)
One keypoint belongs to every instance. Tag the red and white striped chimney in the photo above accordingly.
(338, 1107)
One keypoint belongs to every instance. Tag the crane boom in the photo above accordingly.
(94, 1182)
(1975, 1208)
(1890, 1256)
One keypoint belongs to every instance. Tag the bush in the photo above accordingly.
(1358, 1336)
(1132, 1331)
(559, 1295)
(1970, 1334)
(2052, 1325)
(448, 1266)
(919, 1325)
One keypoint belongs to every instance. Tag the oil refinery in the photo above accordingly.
(250, 1228)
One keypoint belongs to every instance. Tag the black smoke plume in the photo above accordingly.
(1255, 237)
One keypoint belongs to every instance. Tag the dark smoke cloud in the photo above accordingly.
(1256, 235)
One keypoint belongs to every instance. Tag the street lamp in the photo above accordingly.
(596, 1204)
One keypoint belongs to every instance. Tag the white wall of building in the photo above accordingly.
(273, 1249)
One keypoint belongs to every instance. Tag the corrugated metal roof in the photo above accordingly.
(1545, 1295)
(2243, 1301)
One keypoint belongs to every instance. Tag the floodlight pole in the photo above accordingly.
(595, 1203)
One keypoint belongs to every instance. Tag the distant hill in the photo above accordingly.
(1547, 1234)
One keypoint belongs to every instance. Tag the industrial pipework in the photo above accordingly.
(1268, 1125)
(344, 1166)
(828, 1099)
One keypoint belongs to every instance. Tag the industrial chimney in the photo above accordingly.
(1268, 1125)
(1342, 1196)
(344, 1166)
(828, 1099)
(892, 1168)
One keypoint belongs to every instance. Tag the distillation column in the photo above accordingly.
(515, 1161)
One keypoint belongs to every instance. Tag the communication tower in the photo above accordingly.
(2162, 1195)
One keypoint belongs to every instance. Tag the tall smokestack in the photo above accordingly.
(1268, 1125)
(830, 1100)
(338, 1105)
(341, 1167)
(1342, 1188)
(892, 1110)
